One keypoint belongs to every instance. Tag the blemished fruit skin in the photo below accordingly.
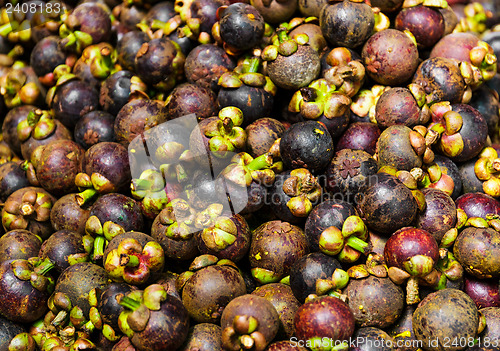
(448, 313)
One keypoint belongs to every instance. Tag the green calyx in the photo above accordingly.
(133, 263)
(419, 265)
(217, 239)
(450, 267)
(75, 40)
(95, 181)
(149, 180)
(247, 73)
(208, 216)
(265, 276)
(244, 324)
(34, 270)
(353, 234)
(98, 248)
(203, 261)
(85, 196)
(335, 283)
(39, 124)
(228, 136)
(130, 303)
(304, 190)
(153, 296)
(139, 306)
(244, 169)
(101, 59)
(22, 342)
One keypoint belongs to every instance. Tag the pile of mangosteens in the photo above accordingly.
(250, 175)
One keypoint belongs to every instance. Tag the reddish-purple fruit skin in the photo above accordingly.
(284, 244)
(262, 134)
(440, 214)
(387, 205)
(455, 46)
(441, 79)
(375, 302)
(119, 209)
(21, 302)
(190, 98)
(474, 132)
(478, 205)
(492, 315)
(324, 317)
(59, 163)
(94, 21)
(408, 242)
(281, 297)
(209, 290)
(59, 246)
(394, 149)
(67, 214)
(359, 136)
(29, 145)
(256, 306)
(166, 329)
(397, 106)
(205, 64)
(390, 57)
(111, 160)
(237, 250)
(9, 126)
(484, 292)
(445, 314)
(425, 23)
(136, 117)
